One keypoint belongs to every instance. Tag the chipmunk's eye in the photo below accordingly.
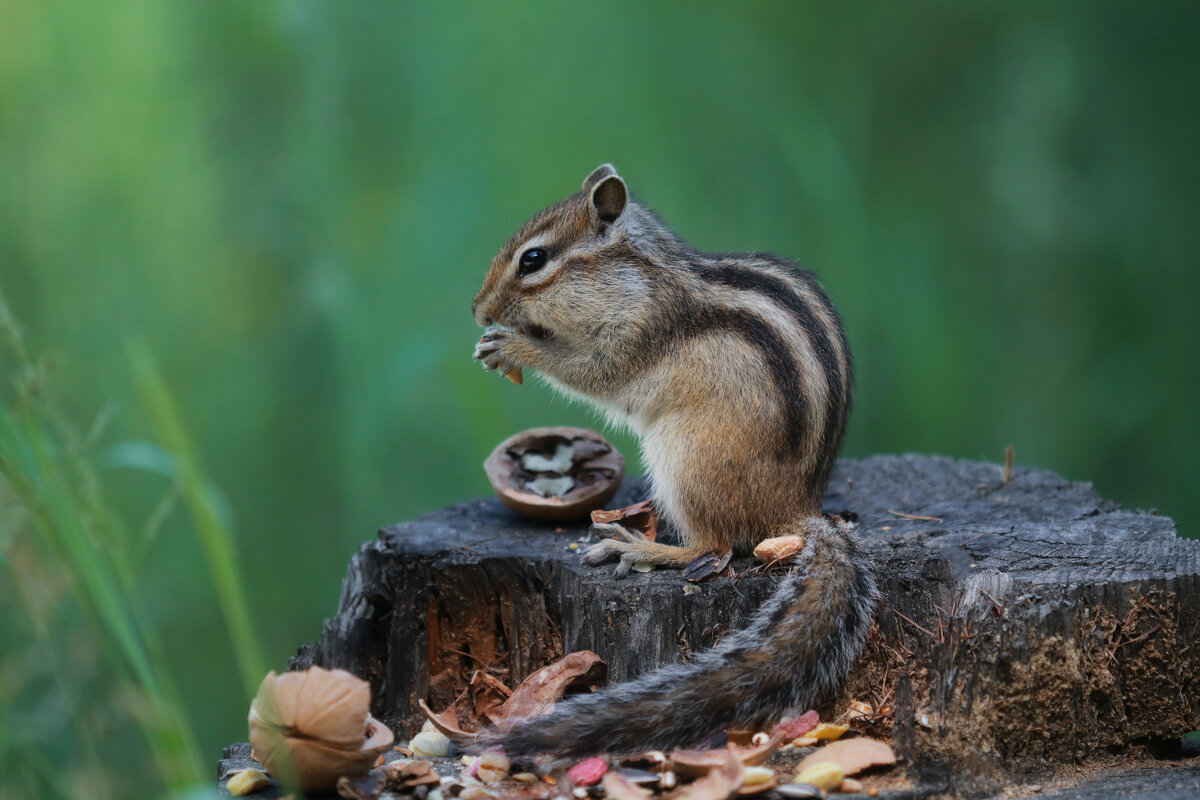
(531, 261)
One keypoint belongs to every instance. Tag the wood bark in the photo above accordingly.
(1022, 626)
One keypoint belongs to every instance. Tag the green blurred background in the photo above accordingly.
(293, 203)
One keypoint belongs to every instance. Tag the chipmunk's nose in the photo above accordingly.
(480, 317)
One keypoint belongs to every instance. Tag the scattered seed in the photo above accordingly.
(799, 726)
(829, 731)
(858, 710)
(825, 775)
(850, 786)
(525, 777)
(491, 766)
(431, 744)
(759, 738)
(753, 776)
(245, 781)
(643, 567)
(588, 772)
(798, 791)
(640, 776)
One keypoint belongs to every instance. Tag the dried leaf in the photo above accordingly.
(639, 516)
(450, 731)
(697, 763)
(757, 756)
(538, 693)
(407, 775)
(852, 755)
(489, 695)
(619, 787)
(482, 697)
(719, 784)
(367, 787)
(694, 763)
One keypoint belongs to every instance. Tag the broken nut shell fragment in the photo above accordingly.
(595, 471)
(310, 728)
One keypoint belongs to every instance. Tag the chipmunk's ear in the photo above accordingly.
(608, 199)
(598, 174)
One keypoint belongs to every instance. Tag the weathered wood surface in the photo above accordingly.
(1027, 626)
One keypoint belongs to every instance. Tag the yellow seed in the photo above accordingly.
(247, 781)
(805, 741)
(825, 775)
(525, 777)
(827, 730)
(754, 776)
(573, 545)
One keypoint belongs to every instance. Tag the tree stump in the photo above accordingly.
(1021, 626)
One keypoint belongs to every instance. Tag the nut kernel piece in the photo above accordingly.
(756, 775)
(245, 781)
(827, 730)
(492, 766)
(780, 548)
(515, 376)
(432, 744)
(825, 776)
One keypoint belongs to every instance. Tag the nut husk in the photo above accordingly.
(310, 728)
(778, 549)
(597, 469)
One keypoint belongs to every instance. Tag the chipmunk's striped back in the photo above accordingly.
(736, 372)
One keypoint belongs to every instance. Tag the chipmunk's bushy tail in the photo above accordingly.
(796, 648)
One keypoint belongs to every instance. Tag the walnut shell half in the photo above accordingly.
(593, 471)
(310, 728)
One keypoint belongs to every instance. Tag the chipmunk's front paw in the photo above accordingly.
(613, 530)
(495, 350)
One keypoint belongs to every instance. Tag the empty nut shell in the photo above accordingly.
(310, 728)
(595, 472)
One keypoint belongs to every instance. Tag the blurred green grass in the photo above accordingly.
(293, 203)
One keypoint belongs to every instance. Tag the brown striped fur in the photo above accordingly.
(735, 372)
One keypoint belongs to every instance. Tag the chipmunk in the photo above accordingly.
(735, 372)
